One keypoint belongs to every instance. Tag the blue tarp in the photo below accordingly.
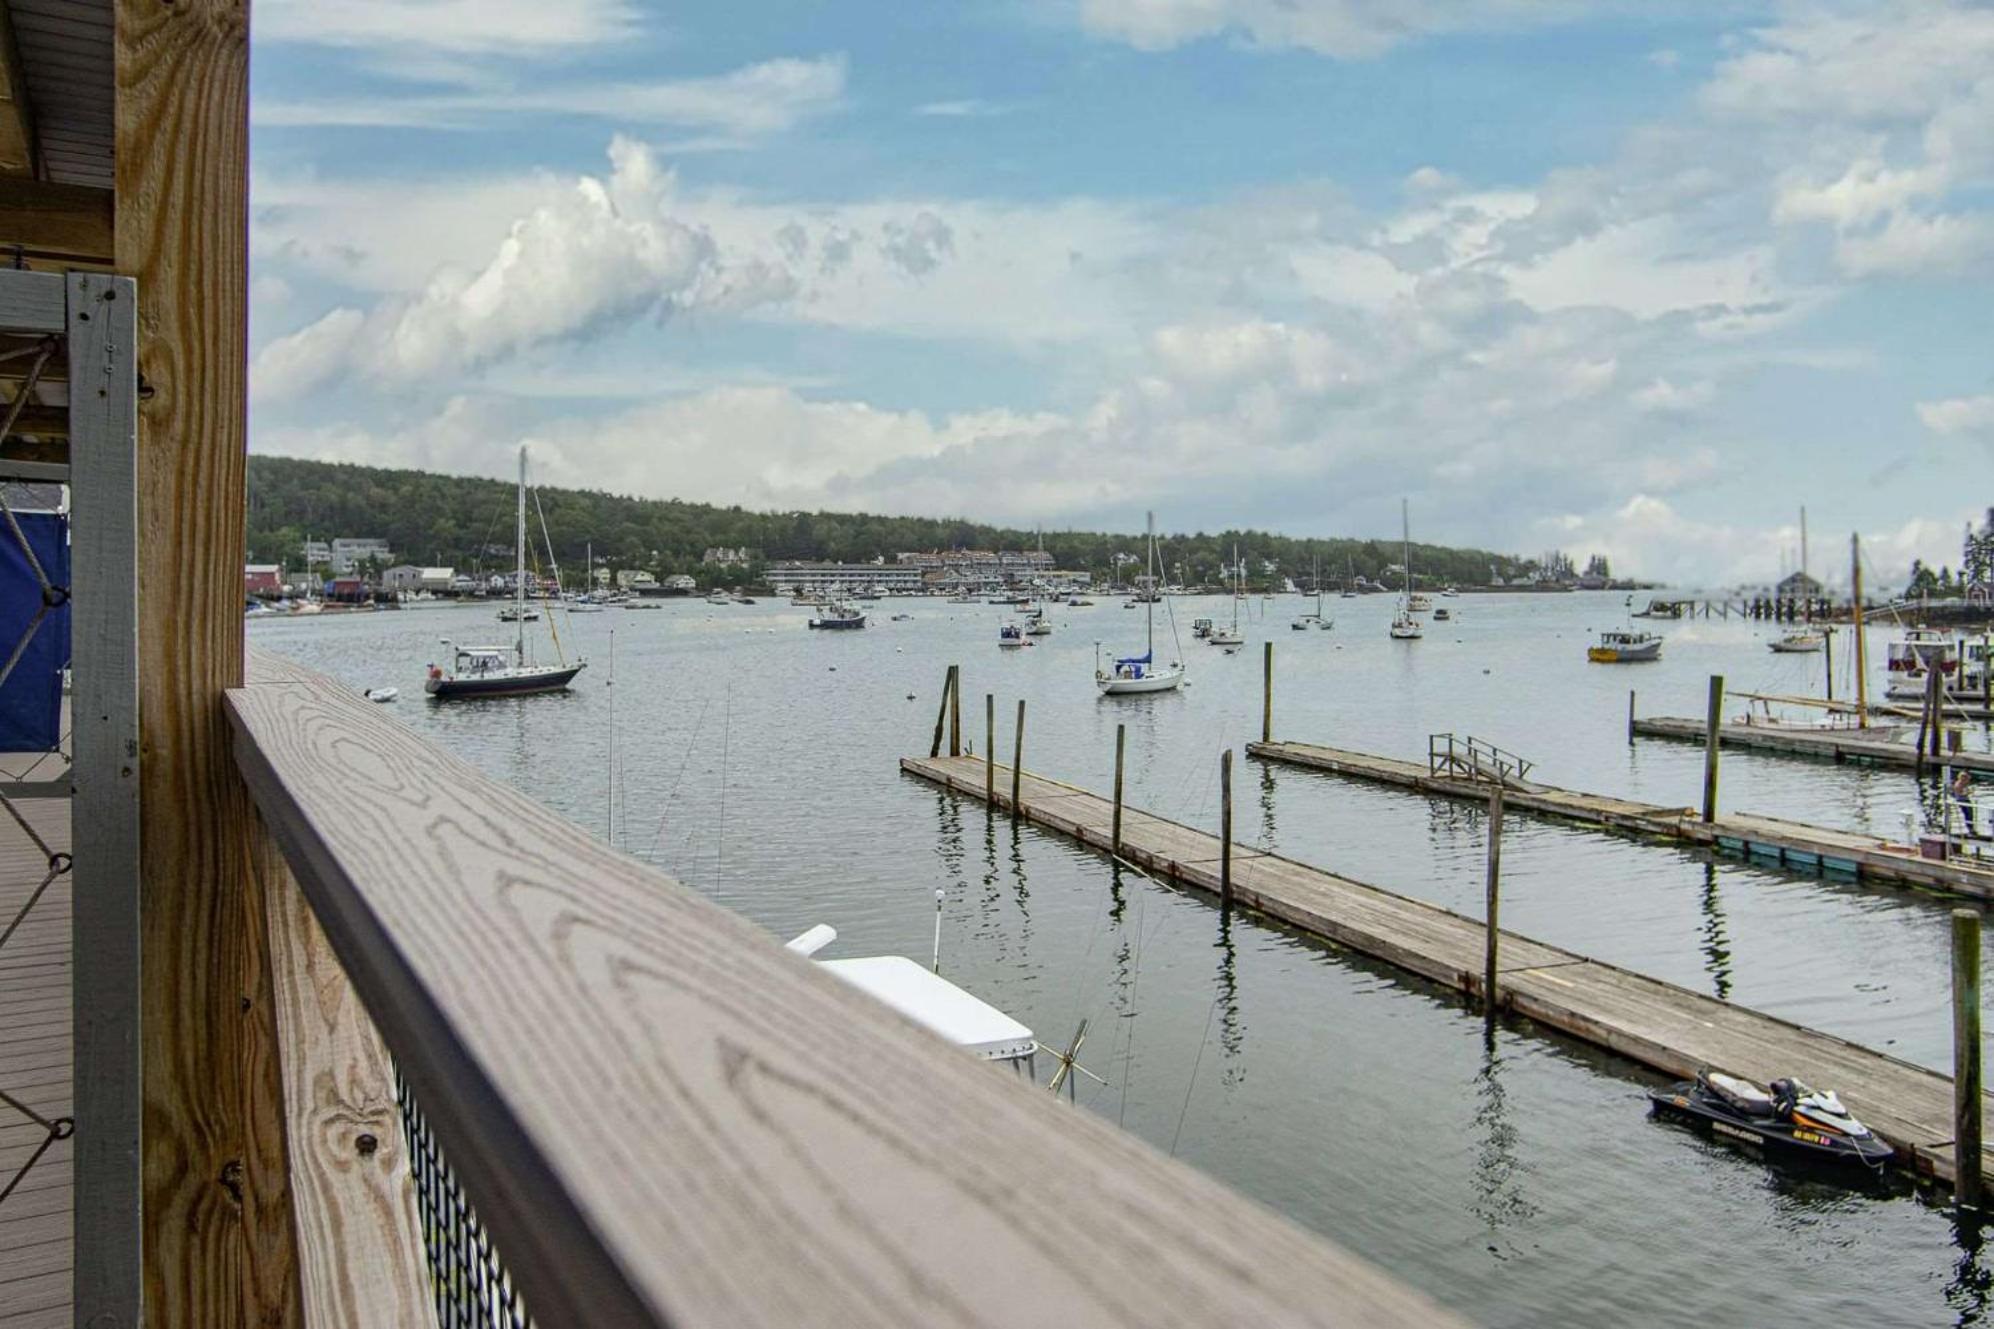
(31, 698)
(1142, 659)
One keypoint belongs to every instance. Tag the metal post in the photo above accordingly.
(990, 749)
(1267, 695)
(1712, 725)
(1492, 927)
(1630, 717)
(1225, 832)
(1966, 1056)
(1121, 744)
(1017, 758)
(104, 908)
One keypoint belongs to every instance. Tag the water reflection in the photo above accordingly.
(1716, 938)
(1267, 807)
(1500, 1201)
(1232, 1031)
(1966, 1291)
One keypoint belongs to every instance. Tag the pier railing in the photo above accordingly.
(659, 1115)
(1468, 758)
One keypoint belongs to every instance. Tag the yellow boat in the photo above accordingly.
(1625, 648)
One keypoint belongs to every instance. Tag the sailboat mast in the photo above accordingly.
(519, 567)
(1235, 585)
(1861, 649)
(1149, 566)
(1405, 537)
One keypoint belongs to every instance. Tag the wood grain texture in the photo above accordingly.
(219, 1248)
(663, 1117)
(71, 222)
(360, 1254)
(1660, 1025)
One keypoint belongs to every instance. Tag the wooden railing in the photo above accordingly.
(664, 1118)
(1471, 758)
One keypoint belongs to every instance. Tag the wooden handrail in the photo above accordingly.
(664, 1118)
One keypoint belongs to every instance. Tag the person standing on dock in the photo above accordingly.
(1962, 794)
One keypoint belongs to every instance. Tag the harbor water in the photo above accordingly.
(1516, 1178)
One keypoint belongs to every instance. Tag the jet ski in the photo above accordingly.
(1785, 1118)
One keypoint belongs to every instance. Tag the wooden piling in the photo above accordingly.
(1986, 674)
(1267, 694)
(1630, 717)
(942, 714)
(1017, 758)
(990, 749)
(955, 710)
(1828, 658)
(1225, 832)
(1121, 746)
(1712, 725)
(1966, 1056)
(1492, 911)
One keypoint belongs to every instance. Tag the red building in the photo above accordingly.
(262, 579)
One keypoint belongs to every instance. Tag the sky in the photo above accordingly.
(1639, 279)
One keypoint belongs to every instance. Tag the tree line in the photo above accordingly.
(466, 523)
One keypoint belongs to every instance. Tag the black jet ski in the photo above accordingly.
(1786, 1118)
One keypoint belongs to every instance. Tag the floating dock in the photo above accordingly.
(1657, 1024)
(1838, 745)
(1789, 844)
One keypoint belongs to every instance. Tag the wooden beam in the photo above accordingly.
(219, 1244)
(360, 1250)
(17, 125)
(663, 1118)
(51, 221)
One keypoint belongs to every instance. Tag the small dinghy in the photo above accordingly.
(1786, 1118)
(381, 694)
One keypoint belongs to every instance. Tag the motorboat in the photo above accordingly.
(1804, 642)
(1010, 636)
(1625, 648)
(839, 616)
(1911, 658)
(1201, 628)
(519, 614)
(1443, 615)
(1786, 1118)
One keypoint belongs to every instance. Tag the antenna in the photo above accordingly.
(940, 895)
(1067, 1064)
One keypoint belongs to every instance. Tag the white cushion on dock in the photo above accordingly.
(928, 999)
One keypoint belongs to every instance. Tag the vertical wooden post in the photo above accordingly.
(1017, 759)
(1712, 724)
(942, 712)
(1986, 675)
(955, 710)
(1493, 926)
(1828, 658)
(1225, 831)
(1630, 717)
(1966, 1056)
(219, 1240)
(1267, 695)
(1121, 745)
(990, 749)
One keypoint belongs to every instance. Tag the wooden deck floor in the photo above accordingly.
(35, 1235)
(1822, 744)
(1660, 1025)
(1785, 843)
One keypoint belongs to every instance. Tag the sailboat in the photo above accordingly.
(586, 602)
(1230, 636)
(1141, 673)
(1306, 621)
(1805, 641)
(486, 671)
(1405, 627)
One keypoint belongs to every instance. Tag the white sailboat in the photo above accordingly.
(484, 671)
(1803, 641)
(1230, 636)
(1306, 621)
(1405, 627)
(1140, 673)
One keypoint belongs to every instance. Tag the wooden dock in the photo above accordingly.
(1773, 840)
(1837, 745)
(36, 1249)
(1657, 1024)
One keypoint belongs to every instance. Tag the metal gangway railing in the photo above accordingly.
(1463, 756)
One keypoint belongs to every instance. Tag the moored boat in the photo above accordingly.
(839, 616)
(1787, 1118)
(1137, 674)
(1625, 648)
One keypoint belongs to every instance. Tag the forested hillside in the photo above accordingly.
(466, 523)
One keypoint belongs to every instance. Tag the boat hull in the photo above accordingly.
(1624, 654)
(511, 685)
(1125, 687)
(838, 624)
(1687, 1105)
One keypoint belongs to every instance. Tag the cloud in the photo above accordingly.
(463, 27)
(1971, 417)
(961, 109)
(1344, 29)
(1663, 397)
(753, 101)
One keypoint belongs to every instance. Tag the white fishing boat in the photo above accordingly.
(1010, 636)
(1619, 647)
(838, 616)
(1909, 661)
(1134, 674)
(1405, 627)
(488, 671)
(1201, 628)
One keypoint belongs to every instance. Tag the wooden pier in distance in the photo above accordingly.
(1837, 745)
(1789, 844)
(1657, 1024)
